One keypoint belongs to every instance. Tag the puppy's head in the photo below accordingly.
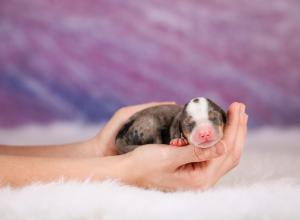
(201, 122)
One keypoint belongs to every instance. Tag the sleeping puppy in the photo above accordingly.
(200, 122)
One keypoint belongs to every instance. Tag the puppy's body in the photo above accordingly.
(149, 126)
(200, 122)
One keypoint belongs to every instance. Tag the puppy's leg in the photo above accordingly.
(179, 142)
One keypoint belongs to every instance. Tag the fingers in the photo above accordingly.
(193, 154)
(149, 104)
(235, 132)
(123, 114)
(135, 108)
(233, 142)
(109, 131)
(231, 127)
(232, 157)
(190, 154)
(126, 112)
(242, 131)
(235, 153)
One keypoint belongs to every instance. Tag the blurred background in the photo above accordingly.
(65, 63)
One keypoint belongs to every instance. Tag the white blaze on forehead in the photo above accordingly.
(198, 110)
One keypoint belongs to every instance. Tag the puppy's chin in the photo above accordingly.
(206, 144)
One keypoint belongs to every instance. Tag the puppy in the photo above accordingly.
(200, 122)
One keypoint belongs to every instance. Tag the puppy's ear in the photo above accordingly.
(175, 129)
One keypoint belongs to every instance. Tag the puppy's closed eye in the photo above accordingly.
(213, 115)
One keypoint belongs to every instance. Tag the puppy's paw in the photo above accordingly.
(179, 142)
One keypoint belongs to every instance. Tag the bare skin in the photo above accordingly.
(159, 166)
(101, 145)
(75, 150)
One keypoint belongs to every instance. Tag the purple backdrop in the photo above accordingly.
(80, 60)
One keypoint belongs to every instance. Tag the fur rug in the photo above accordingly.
(266, 185)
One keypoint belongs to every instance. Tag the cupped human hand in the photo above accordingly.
(189, 168)
(235, 134)
(165, 167)
(104, 142)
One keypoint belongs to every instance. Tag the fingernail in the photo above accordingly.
(242, 108)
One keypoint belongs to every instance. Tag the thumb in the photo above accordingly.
(190, 153)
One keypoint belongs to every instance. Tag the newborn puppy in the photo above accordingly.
(200, 122)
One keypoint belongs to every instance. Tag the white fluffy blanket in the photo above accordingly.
(266, 185)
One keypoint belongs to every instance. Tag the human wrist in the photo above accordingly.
(94, 145)
(127, 171)
(118, 167)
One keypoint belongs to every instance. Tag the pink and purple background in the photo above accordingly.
(80, 60)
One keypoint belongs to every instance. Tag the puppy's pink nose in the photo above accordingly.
(205, 135)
